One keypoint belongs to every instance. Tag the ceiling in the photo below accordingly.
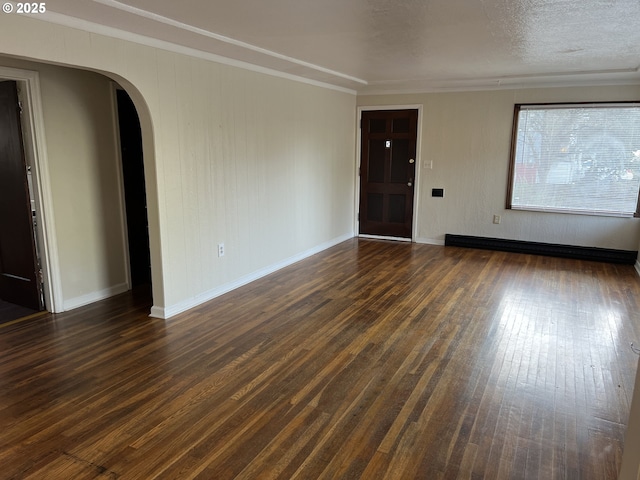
(377, 46)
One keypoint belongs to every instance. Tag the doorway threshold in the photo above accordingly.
(383, 237)
(11, 313)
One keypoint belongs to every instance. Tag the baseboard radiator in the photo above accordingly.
(627, 257)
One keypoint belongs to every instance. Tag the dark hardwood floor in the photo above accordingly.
(370, 360)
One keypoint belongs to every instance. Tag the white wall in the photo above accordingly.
(84, 170)
(467, 136)
(261, 163)
(264, 165)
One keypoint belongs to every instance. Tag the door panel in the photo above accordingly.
(376, 161)
(397, 208)
(19, 271)
(399, 161)
(387, 172)
(375, 202)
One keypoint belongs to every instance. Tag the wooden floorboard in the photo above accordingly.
(372, 360)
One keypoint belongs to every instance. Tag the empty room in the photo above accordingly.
(367, 239)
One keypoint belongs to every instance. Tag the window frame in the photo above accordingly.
(514, 142)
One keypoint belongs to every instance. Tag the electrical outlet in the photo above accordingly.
(221, 249)
(497, 219)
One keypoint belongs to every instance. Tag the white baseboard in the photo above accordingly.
(92, 297)
(172, 310)
(637, 266)
(157, 312)
(430, 241)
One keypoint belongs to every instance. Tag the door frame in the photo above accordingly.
(113, 92)
(416, 188)
(32, 121)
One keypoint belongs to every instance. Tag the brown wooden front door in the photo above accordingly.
(387, 172)
(19, 271)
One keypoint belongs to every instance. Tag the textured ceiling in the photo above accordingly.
(377, 46)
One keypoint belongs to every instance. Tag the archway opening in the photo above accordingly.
(79, 189)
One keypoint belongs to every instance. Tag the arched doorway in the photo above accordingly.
(54, 251)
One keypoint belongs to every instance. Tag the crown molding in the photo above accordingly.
(99, 29)
(221, 38)
(594, 78)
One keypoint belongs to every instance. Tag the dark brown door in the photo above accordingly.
(19, 271)
(387, 172)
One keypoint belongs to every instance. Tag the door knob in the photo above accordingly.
(411, 160)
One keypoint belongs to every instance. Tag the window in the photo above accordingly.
(576, 158)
